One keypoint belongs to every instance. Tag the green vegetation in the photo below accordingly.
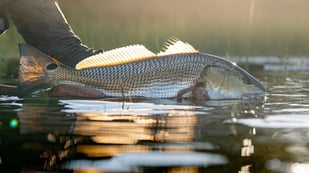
(222, 27)
(241, 27)
(9, 55)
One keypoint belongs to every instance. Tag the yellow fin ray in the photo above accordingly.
(175, 46)
(134, 53)
(116, 56)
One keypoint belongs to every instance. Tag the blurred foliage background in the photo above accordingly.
(223, 27)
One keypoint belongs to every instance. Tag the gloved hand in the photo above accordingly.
(43, 25)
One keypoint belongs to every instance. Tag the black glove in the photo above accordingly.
(42, 25)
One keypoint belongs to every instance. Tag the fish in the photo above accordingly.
(178, 71)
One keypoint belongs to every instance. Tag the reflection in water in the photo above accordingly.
(129, 129)
(128, 123)
(248, 148)
(284, 167)
(132, 161)
(276, 121)
(245, 169)
(42, 135)
(115, 135)
(102, 135)
(142, 134)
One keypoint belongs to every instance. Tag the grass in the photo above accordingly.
(222, 27)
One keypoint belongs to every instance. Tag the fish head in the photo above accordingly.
(229, 81)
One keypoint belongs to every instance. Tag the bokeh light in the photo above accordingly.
(14, 123)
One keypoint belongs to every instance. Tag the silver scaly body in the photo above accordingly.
(163, 76)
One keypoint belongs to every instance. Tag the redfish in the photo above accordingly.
(179, 71)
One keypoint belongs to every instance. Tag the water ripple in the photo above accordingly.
(126, 162)
(113, 107)
(276, 121)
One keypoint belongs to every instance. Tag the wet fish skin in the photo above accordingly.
(159, 77)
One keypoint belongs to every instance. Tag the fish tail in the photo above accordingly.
(32, 69)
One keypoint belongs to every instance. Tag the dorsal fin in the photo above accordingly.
(116, 56)
(174, 46)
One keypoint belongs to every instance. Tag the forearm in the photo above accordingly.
(42, 25)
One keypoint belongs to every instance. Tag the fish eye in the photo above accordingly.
(51, 66)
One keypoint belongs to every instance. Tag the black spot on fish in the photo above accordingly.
(51, 66)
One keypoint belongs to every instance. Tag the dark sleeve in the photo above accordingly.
(4, 24)
(42, 25)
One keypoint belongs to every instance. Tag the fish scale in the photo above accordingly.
(160, 77)
(169, 74)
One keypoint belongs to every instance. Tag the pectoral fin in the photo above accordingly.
(198, 92)
(182, 92)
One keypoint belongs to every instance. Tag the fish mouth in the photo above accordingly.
(258, 89)
(253, 81)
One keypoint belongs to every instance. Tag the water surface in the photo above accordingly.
(114, 135)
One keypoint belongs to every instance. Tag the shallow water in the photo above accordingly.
(112, 135)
